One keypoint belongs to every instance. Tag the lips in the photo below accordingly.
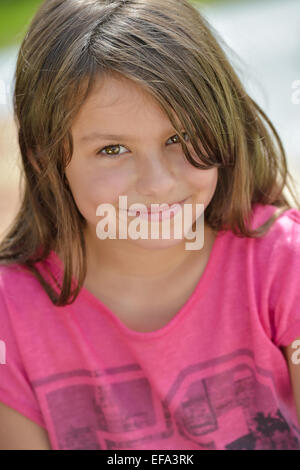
(158, 210)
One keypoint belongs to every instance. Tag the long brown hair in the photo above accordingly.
(169, 49)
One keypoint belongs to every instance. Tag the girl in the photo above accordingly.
(124, 343)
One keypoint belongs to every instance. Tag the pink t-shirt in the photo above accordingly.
(214, 377)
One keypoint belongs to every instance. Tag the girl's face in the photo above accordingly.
(125, 145)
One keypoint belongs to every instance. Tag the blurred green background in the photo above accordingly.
(15, 16)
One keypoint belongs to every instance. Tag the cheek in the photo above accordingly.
(203, 181)
(107, 186)
(94, 186)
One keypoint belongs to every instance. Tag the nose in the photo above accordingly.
(155, 177)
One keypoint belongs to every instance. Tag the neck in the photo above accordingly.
(126, 260)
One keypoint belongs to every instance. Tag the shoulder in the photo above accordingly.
(265, 258)
(283, 236)
(19, 286)
(261, 213)
(274, 259)
(273, 272)
(12, 275)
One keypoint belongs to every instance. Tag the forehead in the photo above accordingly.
(117, 99)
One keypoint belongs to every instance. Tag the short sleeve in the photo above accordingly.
(15, 388)
(285, 291)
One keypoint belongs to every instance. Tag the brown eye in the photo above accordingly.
(114, 149)
(111, 150)
(176, 140)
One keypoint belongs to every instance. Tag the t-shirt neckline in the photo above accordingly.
(86, 295)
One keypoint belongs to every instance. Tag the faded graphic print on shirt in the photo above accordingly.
(122, 411)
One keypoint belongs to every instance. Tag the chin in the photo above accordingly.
(159, 244)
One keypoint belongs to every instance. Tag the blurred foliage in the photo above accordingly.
(15, 17)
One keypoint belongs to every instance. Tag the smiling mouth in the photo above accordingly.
(168, 212)
(156, 210)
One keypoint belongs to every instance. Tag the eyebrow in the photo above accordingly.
(95, 135)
